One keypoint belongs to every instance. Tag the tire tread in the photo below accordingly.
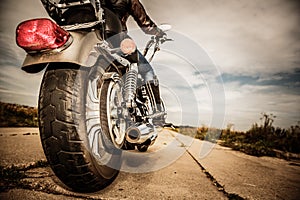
(59, 116)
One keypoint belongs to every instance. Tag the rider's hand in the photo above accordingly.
(160, 33)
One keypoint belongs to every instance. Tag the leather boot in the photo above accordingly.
(153, 88)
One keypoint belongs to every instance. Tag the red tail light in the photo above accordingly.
(40, 35)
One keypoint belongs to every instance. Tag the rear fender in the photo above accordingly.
(79, 52)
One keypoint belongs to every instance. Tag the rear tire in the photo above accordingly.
(64, 133)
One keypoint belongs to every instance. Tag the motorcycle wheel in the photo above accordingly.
(113, 111)
(80, 155)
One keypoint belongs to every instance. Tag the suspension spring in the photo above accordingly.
(131, 86)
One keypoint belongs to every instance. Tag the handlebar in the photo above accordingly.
(156, 41)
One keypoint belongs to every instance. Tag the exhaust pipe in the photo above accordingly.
(140, 133)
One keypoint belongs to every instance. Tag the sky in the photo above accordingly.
(252, 47)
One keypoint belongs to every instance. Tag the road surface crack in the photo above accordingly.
(14, 176)
(231, 196)
(221, 188)
(34, 177)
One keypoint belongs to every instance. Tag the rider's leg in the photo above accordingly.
(153, 87)
(150, 78)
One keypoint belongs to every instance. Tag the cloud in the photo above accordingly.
(16, 86)
(255, 45)
(243, 37)
(287, 83)
(244, 103)
(10, 54)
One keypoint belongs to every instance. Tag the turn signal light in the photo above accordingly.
(40, 35)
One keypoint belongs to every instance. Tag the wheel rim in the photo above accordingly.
(96, 138)
(115, 113)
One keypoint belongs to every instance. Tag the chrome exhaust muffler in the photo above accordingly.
(140, 133)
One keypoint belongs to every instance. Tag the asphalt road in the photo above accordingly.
(180, 168)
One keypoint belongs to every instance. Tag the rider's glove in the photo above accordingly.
(160, 33)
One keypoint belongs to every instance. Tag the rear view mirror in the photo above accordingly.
(165, 27)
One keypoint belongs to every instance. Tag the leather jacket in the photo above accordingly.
(134, 8)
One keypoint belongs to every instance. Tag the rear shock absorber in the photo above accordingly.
(131, 86)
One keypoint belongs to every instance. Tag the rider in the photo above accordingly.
(125, 8)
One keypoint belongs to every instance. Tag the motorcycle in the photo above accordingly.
(93, 103)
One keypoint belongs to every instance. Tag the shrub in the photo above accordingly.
(261, 139)
(14, 115)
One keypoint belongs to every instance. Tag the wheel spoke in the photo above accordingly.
(115, 114)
